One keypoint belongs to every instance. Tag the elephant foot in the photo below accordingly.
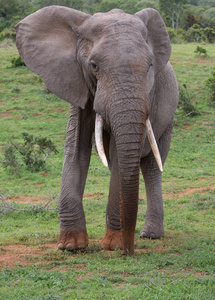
(72, 240)
(112, 240)
(152, 231)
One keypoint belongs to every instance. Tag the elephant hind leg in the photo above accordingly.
(71, 240)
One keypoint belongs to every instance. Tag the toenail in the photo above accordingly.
(81, 246)
(69, 247)
(60, 246)
(142, 233)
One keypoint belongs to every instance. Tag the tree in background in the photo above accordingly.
(171, 11)
(190, 19)
(107, 5)
(147, 3)
(176, 13)
(8, 8)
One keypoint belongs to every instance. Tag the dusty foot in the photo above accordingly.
(112, 240)
(152, 231)
(72, 240)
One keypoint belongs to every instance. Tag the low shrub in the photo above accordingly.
(177, 36)
(11, 158)
(8, 34)
(210, 87)
(32, 153)
(199, 50)
(198, 34)
(184, 103)
(17, 62)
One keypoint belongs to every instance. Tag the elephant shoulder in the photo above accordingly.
(166, 87)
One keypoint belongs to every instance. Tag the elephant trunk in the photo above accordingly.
(128, 126)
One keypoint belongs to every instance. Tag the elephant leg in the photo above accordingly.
(153, 227)
(73, 234)
(113, 235)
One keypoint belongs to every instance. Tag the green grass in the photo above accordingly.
(179, 266)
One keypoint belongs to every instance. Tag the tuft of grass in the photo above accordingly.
(17, 62)
(185, 104)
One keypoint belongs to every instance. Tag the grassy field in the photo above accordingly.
(179, 266)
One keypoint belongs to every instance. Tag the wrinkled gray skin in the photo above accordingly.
(114, 64)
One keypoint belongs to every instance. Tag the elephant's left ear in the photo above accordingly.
(47, 42)
(158, 37)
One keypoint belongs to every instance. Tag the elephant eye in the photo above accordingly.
(94, 66)
(151, 65)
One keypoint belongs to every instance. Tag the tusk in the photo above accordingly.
(153, 144)
(99, 139)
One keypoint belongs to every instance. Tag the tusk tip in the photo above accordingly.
(104, 161)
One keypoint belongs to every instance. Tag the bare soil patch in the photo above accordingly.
(6, 114)
(13, 255)
(87, 195)
(190, 191)
(174, 60)
(27, 200)
(36, 115)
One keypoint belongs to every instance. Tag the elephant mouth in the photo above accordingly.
(99, 123)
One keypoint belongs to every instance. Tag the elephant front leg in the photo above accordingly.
(113, 235)
(73, 234)
(153, 227)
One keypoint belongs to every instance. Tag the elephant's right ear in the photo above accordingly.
(46, 41)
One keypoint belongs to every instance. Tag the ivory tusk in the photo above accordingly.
(153, 144)
(99, 139)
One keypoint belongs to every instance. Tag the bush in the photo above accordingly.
(199, 50)
(184, 103)
(198, 34)
(11, 159)
(210, 86)
(32, 153)
(176, 36)
(17, 62)
(8, 34)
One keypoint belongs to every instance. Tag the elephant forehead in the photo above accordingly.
(112, 23)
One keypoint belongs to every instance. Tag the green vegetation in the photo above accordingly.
(185, 102)
(178, 266)
(210, 87)
(17, 62)
(34, 152)
(199, 50)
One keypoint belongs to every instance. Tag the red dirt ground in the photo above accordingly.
(190, 191)
(13, 255)
(22, 255)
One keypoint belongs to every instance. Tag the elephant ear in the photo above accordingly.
(46, 41)
(158, 37)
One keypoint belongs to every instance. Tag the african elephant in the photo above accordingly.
(113, 68)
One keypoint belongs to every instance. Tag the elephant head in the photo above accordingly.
(112, 60)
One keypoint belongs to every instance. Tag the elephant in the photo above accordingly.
(114, 70)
